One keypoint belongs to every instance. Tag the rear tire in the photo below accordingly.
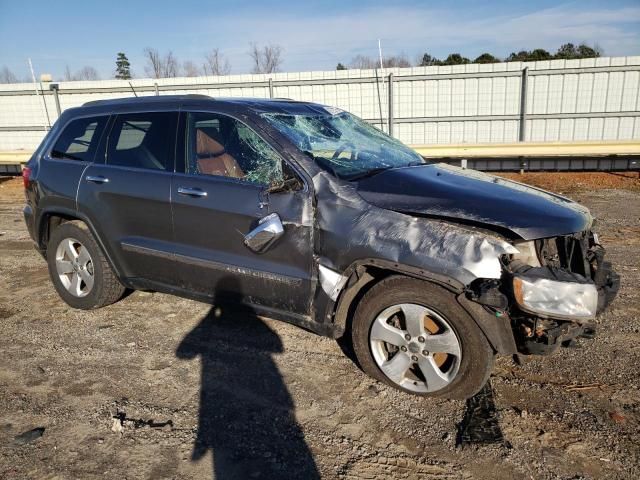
(400, 320)
(79, 270)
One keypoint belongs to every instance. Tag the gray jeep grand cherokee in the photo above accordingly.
(322, 221)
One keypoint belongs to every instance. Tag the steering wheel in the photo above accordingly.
(342, 148)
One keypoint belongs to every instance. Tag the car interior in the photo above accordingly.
(140, 144)
(211, 156)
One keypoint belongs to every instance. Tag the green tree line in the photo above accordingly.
(567, 51)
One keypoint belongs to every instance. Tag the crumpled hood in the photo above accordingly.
(454, 193)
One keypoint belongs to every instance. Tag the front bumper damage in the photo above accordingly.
(568, 285)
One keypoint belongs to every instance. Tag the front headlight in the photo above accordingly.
(556, 299)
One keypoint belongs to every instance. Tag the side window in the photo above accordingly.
(223, 146)
(143, 140)
(79, 139)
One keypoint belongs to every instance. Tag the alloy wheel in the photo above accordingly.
(74, 267)
(415, 347)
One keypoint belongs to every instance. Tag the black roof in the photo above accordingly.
(155, 99)
(259, 105)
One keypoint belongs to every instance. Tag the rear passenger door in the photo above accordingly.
(126, 194)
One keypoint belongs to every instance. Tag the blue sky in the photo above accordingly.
(315, 35)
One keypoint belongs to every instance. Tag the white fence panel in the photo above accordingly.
(572, 100)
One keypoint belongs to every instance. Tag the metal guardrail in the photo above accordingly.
(530, 149)
(12, 169)
(539, 156)
(11, 162)
(548, 164)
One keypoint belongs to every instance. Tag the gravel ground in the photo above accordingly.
(161, 387)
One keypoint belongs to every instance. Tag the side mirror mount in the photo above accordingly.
(290, 184)
(269, 230)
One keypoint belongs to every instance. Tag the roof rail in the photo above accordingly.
(147, 99)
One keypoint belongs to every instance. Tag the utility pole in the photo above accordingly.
(47, 124)
(381, 76)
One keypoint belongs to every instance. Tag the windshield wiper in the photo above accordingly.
(368, 173)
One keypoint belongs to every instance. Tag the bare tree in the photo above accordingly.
(190, 69)
(363, 62)
(159, 66)
(171, 65)
(68, 76)
(7, 76)
(153, 67)
(256, 57)
(216, 64)
(267, 59)
(87, 73)
(272, 56)
(393, 61)
(396, 61)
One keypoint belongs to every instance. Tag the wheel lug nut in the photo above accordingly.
(425, 352)
(403, 348)
(414, 358)
(407, 337)
(421, 339)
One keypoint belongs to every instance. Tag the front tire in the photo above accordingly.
(79, 270)
(414, 336)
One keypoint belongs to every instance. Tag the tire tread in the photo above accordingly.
(478, 356)
(110, 289)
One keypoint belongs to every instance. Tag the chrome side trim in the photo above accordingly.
(212, 264)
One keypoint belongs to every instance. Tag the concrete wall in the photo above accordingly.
(566, 100)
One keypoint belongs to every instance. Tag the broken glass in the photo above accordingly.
(343, 144)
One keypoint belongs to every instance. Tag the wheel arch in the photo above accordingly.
(48, 221)
(53, 217)
(362, 275)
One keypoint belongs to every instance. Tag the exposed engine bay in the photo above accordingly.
(551, 290)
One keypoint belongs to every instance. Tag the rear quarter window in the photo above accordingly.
(79, 139)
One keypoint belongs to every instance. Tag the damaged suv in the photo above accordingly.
(319, 219)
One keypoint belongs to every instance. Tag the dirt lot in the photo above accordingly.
(579, 182)
(197, 392)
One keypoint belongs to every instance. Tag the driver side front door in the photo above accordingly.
(218, 196)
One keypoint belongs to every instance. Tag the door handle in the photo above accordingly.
(96, 179)
(192, 192)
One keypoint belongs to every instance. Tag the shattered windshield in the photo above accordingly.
(343, 144)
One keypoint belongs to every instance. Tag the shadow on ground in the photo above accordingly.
(246, 415)
(481, 421)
